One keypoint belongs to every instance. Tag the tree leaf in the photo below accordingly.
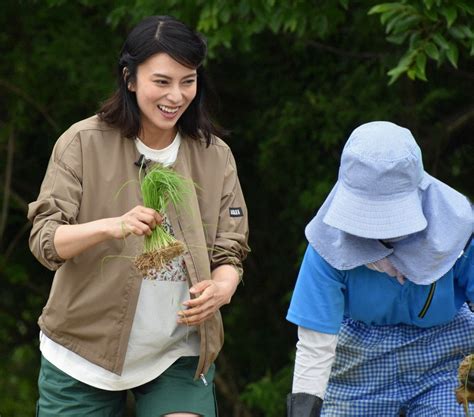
(428, 3)
(403, 66)
(421, 66)
(432, 51)
(395, 74)
(391, 23)
(397, 39)
(453, 54)
(450, 13)
(385, 17)
(406, 23)
(468, 8)
(384, 7)
(456, 32)
(414, 40)
(411, 73)
(467, 31)
(441, 41)
(344, 4)
(432, 14)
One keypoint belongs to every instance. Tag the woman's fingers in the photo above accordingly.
(150, 214)
(196, 317)
(146, 215)
(139, 221)
(198, 310)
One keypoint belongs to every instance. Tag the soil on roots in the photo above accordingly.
(465, 392)
(157, 259)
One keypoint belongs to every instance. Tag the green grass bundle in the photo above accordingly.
(160, 187)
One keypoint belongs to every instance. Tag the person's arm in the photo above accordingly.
(317, 308)
(231, 241)
(211, 294)
(55, 235)
(230, 249)
(72, 240)
(315, 353)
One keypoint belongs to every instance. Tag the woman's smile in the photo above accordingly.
(164, 89)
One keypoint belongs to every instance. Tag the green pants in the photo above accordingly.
(173, 391)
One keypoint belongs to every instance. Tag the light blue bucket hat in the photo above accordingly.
(382, 193)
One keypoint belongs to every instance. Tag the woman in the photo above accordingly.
(380, 300)
(105, 329)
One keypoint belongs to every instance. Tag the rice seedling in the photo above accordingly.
(160, 187)
(465, 392)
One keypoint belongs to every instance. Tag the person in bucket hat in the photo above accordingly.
(381, 299)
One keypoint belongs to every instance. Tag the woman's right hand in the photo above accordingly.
(138, 221)
(72, 240)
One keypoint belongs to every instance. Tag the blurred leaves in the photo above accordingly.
(269, 393)
(434, 29)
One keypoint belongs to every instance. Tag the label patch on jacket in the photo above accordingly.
(236, 211)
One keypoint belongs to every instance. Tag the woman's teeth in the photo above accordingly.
(167, 109)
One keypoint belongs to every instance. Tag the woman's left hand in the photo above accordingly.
(211, 295)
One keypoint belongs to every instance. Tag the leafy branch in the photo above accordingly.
(432, 30)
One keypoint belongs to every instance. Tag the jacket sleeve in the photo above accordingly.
(230, 247)
(58, 201)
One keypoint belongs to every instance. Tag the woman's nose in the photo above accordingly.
(175, 94)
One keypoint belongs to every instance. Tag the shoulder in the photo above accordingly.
(313, 256)
(465, 262)
(314, 264)
(218, 152)
(91, 124)
(86, 129)
(216, 144)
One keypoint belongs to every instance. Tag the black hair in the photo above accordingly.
(153, 35)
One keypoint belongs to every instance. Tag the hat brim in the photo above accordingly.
(375, 219)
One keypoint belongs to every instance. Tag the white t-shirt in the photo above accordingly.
(156, 339)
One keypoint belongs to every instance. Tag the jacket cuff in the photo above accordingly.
(303, 405)
(50, 257)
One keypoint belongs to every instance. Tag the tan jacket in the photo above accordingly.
(92, 175)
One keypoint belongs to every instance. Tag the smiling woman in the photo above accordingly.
(167, 53)
(164, 89)
(106, 329)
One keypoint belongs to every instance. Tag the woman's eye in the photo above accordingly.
(161, 82)
(190, 81)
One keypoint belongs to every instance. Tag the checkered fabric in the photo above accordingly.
(382, 370)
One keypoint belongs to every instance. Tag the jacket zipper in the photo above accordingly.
(203, 379)
(203, 326)
(428, 301)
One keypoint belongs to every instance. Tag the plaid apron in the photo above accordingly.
(382, 370)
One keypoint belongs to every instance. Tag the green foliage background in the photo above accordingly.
(294, 78)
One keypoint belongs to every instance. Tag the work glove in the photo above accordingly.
(303, 405)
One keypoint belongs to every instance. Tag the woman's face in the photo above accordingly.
(164, 89)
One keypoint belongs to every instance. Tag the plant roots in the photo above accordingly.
(157, 259)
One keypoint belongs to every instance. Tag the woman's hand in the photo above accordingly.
(72, 239)
(211, 295)
(138, 221)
